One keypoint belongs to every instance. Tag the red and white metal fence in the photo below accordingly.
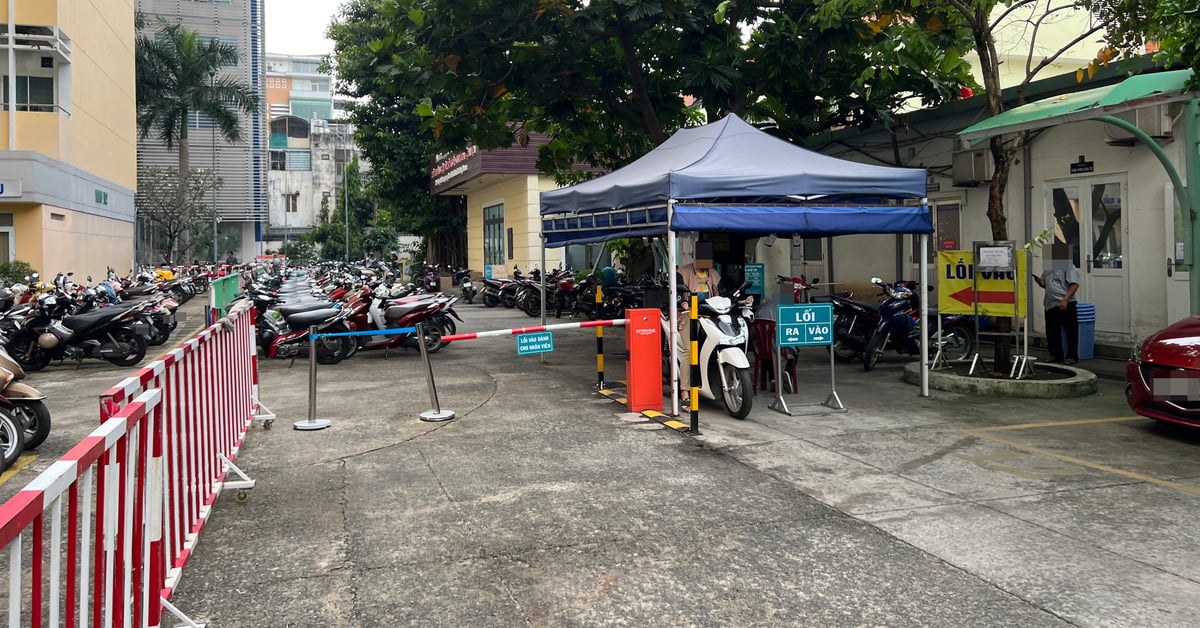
(135, 493)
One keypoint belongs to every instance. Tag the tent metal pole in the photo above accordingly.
(672, 318)
(925, 313)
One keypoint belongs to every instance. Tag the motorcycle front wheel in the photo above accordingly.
(34, 417)
(875, 349)
(737, 397)
(490, 300)
(136, 343)
(12, 438)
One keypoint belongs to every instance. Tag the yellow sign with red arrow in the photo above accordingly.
(956, 286)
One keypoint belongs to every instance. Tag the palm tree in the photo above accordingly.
(178, 76)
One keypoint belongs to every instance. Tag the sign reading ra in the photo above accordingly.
(956, 286)
(808, 325)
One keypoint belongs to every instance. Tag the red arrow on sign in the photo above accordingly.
(967, 296)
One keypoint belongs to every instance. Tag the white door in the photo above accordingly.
(1176, 261)
(1086, 214)
(808, 259)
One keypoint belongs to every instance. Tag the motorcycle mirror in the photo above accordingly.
(876, 280)
(89, 279)
(815, 281)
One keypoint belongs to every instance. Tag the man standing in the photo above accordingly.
(1061, 282)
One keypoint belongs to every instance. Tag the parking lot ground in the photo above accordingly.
(544, 503)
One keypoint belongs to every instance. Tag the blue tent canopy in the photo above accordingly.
(730, 176)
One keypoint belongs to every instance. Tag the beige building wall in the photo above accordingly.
(77, 164)
(519, 195)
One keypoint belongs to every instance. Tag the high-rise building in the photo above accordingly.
(69, 168)
(241, 200)
(310, 146)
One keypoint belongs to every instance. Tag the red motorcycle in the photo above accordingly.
(382, 311)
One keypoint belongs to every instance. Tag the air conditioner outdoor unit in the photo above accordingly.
(971, 167)
(1154, 120)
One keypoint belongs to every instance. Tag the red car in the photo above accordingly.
(1163, 375)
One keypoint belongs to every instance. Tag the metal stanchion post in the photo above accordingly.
(312, 423)
(437, 413)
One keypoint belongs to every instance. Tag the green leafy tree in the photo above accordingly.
(178, 75)
(391, 137)
(609, 79)
(1170, 27)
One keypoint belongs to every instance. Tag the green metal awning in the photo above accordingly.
(1134, 92)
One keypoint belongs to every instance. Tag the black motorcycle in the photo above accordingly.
(51, 332)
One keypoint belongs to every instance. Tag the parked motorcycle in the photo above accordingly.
(23, 402)
(12, 439)
(284, 334)
(48, 332)
(899, 327)
(462, 278)
(723, 341)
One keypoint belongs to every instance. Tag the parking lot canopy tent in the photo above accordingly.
(730, 176)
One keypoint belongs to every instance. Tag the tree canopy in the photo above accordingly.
(609, 79)
(1169, 27)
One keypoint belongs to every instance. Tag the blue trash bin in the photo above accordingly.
(1087, 331)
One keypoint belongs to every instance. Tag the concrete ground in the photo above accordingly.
(543, 503)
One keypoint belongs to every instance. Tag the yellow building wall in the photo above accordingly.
(519, 195)
(101, 133)
(39, 12)
(72, 242)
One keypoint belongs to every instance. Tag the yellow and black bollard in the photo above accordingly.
(694, 352)
(599, 340)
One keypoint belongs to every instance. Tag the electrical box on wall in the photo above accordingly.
(972, 167)
(1154, 120)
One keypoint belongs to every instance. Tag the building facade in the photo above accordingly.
(241, 200)
(310, 146)
(502, 190)
(68, 174)
(1100, 189)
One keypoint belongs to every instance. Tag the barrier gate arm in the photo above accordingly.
(615, 322)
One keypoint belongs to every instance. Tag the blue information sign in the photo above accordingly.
(809, 325)
(756, 275)
(537, 342)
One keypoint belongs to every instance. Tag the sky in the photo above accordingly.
(297, 27)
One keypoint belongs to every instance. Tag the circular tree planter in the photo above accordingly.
(1073, 382)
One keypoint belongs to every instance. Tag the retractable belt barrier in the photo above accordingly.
(134, 495)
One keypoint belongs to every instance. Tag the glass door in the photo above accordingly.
(1087, 215)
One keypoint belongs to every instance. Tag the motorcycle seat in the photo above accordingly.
(80, 322)
(308, 319)
(400, 310)
(287, 309)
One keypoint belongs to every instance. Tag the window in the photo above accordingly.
(290, 160)
(292, 200)
(34, 93)
(309, 67)
(493, 235)
(807, 250)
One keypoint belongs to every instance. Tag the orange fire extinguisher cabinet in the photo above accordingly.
(643, 370)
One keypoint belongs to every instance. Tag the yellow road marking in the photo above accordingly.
(1133, 475)
(24, 461)
(1026, 426)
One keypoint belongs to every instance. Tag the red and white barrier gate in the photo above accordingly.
(137, 490)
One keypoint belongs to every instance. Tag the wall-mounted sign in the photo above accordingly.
(1083, 166)
(10, 188)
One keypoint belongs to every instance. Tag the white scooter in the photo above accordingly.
(723, 340)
